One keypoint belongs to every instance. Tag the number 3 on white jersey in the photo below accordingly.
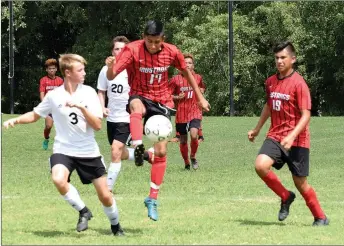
(276, 105)
(156, 76)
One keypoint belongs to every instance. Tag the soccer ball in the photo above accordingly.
(158, 128)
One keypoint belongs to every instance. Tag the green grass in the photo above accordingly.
(224, 202)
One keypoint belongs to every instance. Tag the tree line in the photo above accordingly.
(45, 29)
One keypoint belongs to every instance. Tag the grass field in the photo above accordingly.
(224, 202)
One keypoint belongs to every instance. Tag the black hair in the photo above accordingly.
(282, 45)
(154, 28)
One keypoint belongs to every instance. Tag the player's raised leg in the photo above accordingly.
(48, 125)
(137, 111)
(157, 176)
(61, 169)
(263, 168)
(200, 135)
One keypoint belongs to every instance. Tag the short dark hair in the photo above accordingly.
(122, 39)
(154, 28)
(188, 55)
(282, 45)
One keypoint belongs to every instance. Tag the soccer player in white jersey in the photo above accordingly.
(77, 113)
(118, 118)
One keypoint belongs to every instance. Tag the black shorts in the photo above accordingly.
(183, 128)
(119, 131)
(88, 169)
(297, 158)
(152, 108)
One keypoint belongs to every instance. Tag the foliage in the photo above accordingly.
(45, 29)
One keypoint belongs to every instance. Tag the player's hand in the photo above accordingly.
(110, 61)
(75, 105)
(287, 142)
(252, 134)
(204, 104)
(10, 123)
(106, 112)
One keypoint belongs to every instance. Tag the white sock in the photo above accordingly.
(73, 198)
(137, 142)
(112, 175)
(112, 213)
(131, 154)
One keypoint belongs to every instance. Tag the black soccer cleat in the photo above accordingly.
(321, 222)
(200, 139)
(139, 154)
(284, 211)
(117, 230)
(187, 167)
(83, 220)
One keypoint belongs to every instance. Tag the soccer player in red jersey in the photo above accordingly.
(46, 84)
(147, 62)
(189, 115)
(288, 104)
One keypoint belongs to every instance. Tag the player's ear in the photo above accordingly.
(163, 38)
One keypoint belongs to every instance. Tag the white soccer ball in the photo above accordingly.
(158, 128)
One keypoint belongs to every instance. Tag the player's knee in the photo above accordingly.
(261, 166)
(105, 198)
(116, 150)
(59, 180)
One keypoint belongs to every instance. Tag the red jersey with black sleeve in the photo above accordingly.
(47, 84)
(148, 73)
(286, 98)
(187, 108)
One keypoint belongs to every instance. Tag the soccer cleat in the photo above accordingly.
(194, 163)
(139, 154)
(83, 221)
(187, 167)
(151, 205)
(284, 211)
(200, 139)
(321, 222)
(45, 144)
(117, 230)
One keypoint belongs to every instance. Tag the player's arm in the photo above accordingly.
(101, 96)
(118, 64)
(265, 114)
(191, 80)
(102, 85)
(94, 121)
(26, 118)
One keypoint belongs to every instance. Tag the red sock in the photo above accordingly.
(272, 181)
(185, 152)
(312, 202)
(136, 126)
(194, 147)
(157, 175)
(47, 133)
(200, 132)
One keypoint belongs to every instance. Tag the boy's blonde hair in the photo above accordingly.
(66, 61)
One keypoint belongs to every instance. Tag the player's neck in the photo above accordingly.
(70, 87)
(285, 74)
(52, 77)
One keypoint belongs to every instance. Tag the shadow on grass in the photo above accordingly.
(127, 231)
(47, 233)
(260, 223)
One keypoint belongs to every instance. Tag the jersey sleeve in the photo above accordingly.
(44, 108)
(179, 61)
(102, 79)
(303, 97)
(41, 85)
(123, 60)
(93, 104)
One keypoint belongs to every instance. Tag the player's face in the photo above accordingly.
(51, 70)
(189, 64)
(284, 61)
(77, 73)
(117, 48)
(153, 43)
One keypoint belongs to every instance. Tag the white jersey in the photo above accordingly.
(118, 95)
(74, 137)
